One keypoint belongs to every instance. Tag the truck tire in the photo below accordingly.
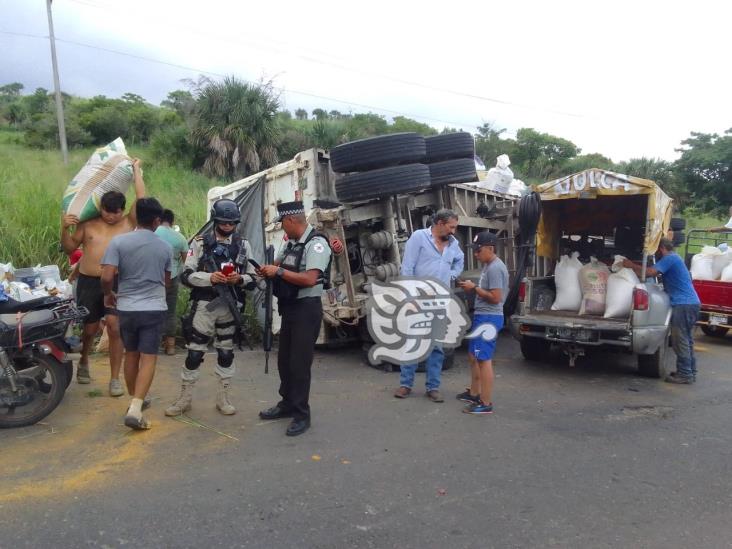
(679, 238)
(534, 348)
(378, 152)
(450, 145)
(714, 331)
(460, 170)
(383, 182)
(653, 365)
(678, 224)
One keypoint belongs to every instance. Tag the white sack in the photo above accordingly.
(566, 279)
(619, 298)
(719, 262)
(727, 274)
(702, 267)
(593, 280)
(108, 169)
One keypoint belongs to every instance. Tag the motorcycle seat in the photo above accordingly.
(28, 319)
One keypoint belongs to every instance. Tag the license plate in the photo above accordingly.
(717, 320)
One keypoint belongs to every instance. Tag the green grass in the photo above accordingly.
(32, 183)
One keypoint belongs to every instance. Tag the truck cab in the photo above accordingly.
(598, 214)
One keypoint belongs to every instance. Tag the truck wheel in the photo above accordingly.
(678, 224)
(378, 152)
(534, 348)
(714, 331)
(653, 365)
(679, 238)
(450, 145)
(461, 170)
(383, 182)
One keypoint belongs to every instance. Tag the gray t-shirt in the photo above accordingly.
(494, 275)
(141, 259)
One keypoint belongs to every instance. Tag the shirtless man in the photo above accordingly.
(94, 236)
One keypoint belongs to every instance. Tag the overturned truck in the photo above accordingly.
(372, 213)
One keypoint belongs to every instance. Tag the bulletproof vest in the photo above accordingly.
(291, 261)
(215, 254)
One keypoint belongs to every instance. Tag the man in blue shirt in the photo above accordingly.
(685, 307)
(431, 253)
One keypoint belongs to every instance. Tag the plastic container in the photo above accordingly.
(50, 272)
(27, 275)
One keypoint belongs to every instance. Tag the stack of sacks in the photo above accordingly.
(620, 284)
(710, 263)
(566, 279)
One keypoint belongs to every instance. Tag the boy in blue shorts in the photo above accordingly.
(490, 293)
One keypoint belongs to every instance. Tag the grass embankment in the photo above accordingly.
(33, 181)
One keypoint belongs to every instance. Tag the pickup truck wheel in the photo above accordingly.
(679, 238)
(653, 365)
(678, 224)
(534, 348)
(378, 152)
(383, 182)
(450, 145)
(460, 170)
(715, 331)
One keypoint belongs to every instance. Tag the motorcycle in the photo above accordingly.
(34, 369)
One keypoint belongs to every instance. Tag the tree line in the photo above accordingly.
(229, 129)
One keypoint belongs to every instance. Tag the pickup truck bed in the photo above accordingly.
(574, 320)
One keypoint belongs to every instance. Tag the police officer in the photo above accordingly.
(301, 268)
(218, 258)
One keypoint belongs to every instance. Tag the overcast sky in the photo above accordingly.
(625, 78)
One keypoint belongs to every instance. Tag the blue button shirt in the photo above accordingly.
(422, 259)
(677, 280)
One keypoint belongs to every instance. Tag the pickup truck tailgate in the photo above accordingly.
(714, 295)
(573, 320)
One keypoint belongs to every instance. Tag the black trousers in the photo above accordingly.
(301, 322)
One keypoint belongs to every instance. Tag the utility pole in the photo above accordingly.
(57, 87)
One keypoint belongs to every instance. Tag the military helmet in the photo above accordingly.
(225, 211)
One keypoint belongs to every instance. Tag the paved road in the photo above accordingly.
(586, 457)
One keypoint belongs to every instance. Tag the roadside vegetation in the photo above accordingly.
(215, 132)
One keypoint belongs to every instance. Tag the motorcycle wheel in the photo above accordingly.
(44, 383)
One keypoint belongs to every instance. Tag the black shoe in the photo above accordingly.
(298, 427)
(275, 412)
(467, 397)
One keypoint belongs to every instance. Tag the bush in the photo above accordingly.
(172, 146)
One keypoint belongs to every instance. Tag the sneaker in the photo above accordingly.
(479, 409)
(138, 424)
(115, 388)
(679, 380)
(467, 397)
(83, 376)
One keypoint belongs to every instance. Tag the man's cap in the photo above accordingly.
(289, 208)
(486, 238)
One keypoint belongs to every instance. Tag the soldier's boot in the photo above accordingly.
(170, 346)
(222, 398)
(183, 404)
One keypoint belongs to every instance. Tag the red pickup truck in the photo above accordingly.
(715, 318)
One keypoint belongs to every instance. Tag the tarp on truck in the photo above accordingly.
(588, 185)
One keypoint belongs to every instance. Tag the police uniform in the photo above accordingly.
(302, 313)
(211, 316)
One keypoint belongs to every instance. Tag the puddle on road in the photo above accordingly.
(642, 412)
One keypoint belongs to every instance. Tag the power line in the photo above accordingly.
(279, 88)
(340, 66)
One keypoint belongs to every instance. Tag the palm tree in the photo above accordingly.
(235, 127)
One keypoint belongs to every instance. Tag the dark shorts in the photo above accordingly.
(89, 294)
(141, 330)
